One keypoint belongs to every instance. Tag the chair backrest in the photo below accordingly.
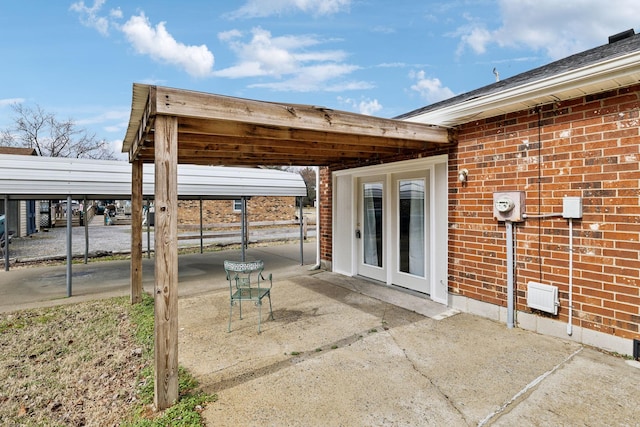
(241, 272)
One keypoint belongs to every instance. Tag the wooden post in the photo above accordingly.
(166, 263)
(136, 231)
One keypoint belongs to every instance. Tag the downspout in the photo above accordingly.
(317, 266)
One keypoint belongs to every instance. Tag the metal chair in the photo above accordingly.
(246, 283)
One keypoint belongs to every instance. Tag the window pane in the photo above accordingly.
(411, 239)
(372, 230)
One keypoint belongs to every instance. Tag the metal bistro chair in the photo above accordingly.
(246, 283)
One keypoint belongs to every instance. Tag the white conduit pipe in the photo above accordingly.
(570, 321)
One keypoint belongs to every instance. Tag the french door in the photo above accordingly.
(370, 228)
(410, 245)
(392, 231)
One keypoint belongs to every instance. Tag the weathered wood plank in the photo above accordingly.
(166, 263)
(136, 232)
(183, 103)
(147, 116)
(190, 128)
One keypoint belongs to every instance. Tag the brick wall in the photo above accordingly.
(587, 147)
(221, 211)
(325, 229)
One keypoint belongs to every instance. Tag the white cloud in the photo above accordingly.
(116, 145)
(89, 16)
(430, 89)
(264, 8)
(558, 28)
(290, 60)
(10, 101)
(161, 46)
(365, 106)
(156, 42)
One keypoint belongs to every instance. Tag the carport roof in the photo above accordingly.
(34, 177)
(222, 130)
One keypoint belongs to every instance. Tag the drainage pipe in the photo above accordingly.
(510, 305)
(570, 321)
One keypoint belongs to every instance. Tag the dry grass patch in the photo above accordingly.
(85, 364)
(68, 365)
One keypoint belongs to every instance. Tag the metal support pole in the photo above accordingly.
(149, 229)
(243, 229)
(318, 254)
(69, 244)
(86, 230)
(301, 232)
(510, 316)
(6, 233)
(201, 234)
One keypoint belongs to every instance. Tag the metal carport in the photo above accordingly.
(33, 177)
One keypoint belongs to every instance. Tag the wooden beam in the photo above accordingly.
(166, 263)
(183, 103)
(147, 116)
(136, 231)
(198, 130)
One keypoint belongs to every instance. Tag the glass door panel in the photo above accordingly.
(411, 236)
(372, 239)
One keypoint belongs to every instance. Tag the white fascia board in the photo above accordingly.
(522, 96)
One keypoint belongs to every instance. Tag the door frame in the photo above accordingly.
(399, 278)
(345, 196)
(363, 269)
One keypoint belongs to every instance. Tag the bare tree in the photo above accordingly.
(50, 137)
(309, 176)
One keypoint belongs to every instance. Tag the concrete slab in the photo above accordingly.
(346, 351)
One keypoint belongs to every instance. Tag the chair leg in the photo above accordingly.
(259, 314)
(230, 313)
(270, 309)
(240, 304)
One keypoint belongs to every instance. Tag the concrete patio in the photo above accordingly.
(344, 351)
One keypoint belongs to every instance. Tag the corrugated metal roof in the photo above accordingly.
(32, 177)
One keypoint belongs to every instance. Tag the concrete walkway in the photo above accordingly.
(347, 352)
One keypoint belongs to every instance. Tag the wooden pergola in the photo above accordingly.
(170, 126)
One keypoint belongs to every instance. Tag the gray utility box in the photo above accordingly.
(509, 206)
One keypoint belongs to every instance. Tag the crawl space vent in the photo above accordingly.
(543, 297)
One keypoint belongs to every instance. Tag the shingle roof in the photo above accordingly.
(573, 62)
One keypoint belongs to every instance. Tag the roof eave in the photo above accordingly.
(606, 75)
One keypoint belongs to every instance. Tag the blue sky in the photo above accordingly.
(79, 59)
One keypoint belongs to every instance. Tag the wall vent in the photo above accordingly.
(621, 36)
(543, 297)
